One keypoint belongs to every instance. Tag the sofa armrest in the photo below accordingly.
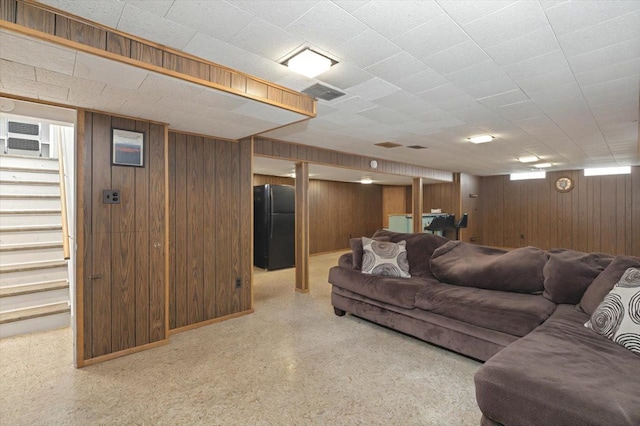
(346, 260)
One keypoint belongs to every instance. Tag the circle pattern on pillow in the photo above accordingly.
(385, 258)
(618, 315)
(385, 249)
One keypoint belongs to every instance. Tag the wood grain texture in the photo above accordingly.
(210, 199)
(195, 228)
(84, 262)
(8, 10)
(186, 66)
(246, 222)
(34, 17)
(470, 185)
(599, 214)
(143, 243)
(118, 44)
(417, 204)
(394, 201)
(80, 32)
(224, 293)
(144, 53)
(302, 227)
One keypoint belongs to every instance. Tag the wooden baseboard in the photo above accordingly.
(209, 322)
(119, 354)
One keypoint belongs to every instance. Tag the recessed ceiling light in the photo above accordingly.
(481, 139)
(309, 63)
(603, 171)
(528, 159)
(542, 165)
(366, 181)
(528, 175)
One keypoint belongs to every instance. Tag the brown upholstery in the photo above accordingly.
(604, 282)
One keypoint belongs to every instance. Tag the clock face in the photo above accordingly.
(373, 164)
(564, 184)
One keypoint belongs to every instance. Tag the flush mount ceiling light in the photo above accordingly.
(309, 63)
(528, 159)
(542, 165)
(528, 175)
(366, 181)
(480, 139)
(604, 171)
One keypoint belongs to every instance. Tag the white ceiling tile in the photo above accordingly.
(577, 15)
(350, 5)
(519, 111)
(106, 12)
(398, 100)
(353, 104)
(396, 67)
(280, 12)
(384, 115)
(604, 34)
(16, 85)
(268, 113)
(515, 20)
(475, 74)
(548, 4)
(365, 49)
(114, 73)
(540, 65)
(491, 87)
(20, 50)
(64, 80)
(266, 40)
(344, 76)
(437, 35)
(153, 27)
(455, 58)
(218, 19)
(218, 99)
(326, 26)
(373, 89)
(392, 18)
(501, 99)
(82, 99)
(424, 80)
(612, 72)
(157, 7)
(548, 80)
(466, 11)
(447, 97)
(160, 85)
(214, 50)
(17, 70)
(521, 48)
(295, 81)
(606, 56)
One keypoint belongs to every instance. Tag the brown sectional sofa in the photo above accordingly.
(520, 312)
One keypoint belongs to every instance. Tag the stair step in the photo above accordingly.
(29, 170)
(29, 182)
(30, 266)
(29, 212)
(32, 228)
(32, 217)
(27, 202)
(37, 275)
(21, 175)
(32, 246)
(28, 188)
(19, 290)
(35, 312)
(22, 163)
(28, 196)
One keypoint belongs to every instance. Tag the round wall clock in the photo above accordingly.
(373, 164)
(564, 184)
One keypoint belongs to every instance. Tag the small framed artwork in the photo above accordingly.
(127, 148)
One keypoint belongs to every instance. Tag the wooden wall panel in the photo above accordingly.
(8, 10)
(80, 32)
(35, 18)
(394, 201)
(470, 185)
(210, 231)
(124, 283)
(599, 214)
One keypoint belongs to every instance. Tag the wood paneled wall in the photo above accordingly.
(601, 213)
(337, 211)
(121, 273)
(470, 185)
(210, 190)
(444, 196)
(394, 201)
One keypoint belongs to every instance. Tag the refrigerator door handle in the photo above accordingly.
(270, 222)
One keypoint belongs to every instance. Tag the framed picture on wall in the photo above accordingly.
(127, 148)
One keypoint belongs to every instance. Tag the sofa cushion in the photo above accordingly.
(617, 317)
(356, 248)
(561, 374)
(420, 247)
(604, 282)
(399, 292)
(385, 258)
(568, 273)
(512, 313)
(519, 270)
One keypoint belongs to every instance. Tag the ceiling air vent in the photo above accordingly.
(416, 147)
(319, 91)
(388, 144)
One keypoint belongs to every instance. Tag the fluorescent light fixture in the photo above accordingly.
(366, 181)
(603, 171)
(542, 165)
(309, 63)
(480, 139)
(528, 175)
(528, 159)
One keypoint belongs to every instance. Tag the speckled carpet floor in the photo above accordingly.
(292, 362)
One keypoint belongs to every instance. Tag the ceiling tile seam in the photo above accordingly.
(482, 17)
(573, 74)
(168, 10)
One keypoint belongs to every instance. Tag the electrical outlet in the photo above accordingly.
(238, 283)
(111, 196)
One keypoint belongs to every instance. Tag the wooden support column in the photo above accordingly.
(302, 227)
(416, 199)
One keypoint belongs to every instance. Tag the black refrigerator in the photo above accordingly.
(274, 226)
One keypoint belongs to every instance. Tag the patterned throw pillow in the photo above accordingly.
(618, 316)
(385, 258)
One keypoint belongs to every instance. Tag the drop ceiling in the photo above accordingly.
(556, 79)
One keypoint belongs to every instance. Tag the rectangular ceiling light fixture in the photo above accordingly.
(309, 63)
(604, 171)
(528, 175)
(528, 159)
(480, 139)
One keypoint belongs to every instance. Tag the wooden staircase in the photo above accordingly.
(34, 283)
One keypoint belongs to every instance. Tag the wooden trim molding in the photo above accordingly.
(47, 23)
(125, 352)
(272, 148)
(416, 201)
(79, 360)
(302, 227)
(209, 322)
